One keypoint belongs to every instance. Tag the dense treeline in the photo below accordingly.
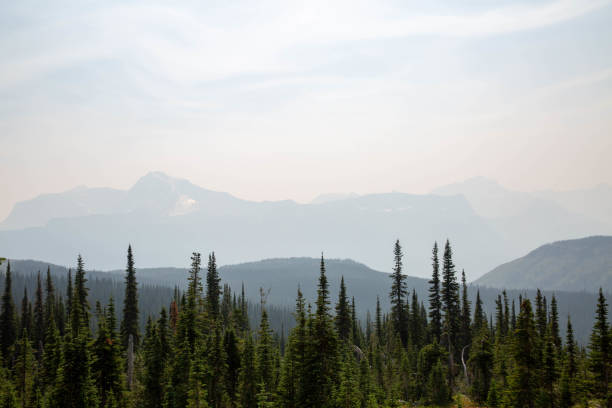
(200, 350)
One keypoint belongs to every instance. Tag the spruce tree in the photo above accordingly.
(435, 302)
(69, 293)
(26, 320)
(599, 347)
(323, 348)
(437, 388)
(80, 319)
(39, 319)
(549, 373)
(480, 319)
(265, 356)
(49, 297)
(8, 322)
(294, 370)
(570, 350)
(25, 371)
(213, 290)
(554, 323)
(232, 353)
(398, 295)
(450, 306)
(541, 318)
(129, 322)
(74, 387)
(523, 381)
(106, 363)
(481, 365)
(343, 318)
(379, 322)
(216, 368)
(52, 352)
(247, 389)
(465, 326)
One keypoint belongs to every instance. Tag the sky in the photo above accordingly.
(276, 100)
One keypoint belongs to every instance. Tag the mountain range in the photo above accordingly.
(165, 219)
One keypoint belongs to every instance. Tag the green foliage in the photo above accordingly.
(8, 322)
(437, 389)
(202, 353)
(129, 323)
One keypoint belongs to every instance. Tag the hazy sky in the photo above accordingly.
(279, 99)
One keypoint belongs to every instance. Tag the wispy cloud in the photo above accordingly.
(185, 44)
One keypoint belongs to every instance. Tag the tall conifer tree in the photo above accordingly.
(213, 290)
(398, 295)
(435, 303)
(8, 321)
(129, 322)
(343, 317)
(599, 346)
(39, 319)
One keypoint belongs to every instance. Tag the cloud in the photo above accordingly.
(184, 44)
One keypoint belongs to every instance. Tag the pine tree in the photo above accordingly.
(80, 317)
(8, 323)
(435, 302)
(481, 364)
(52, 352)
(465, 326)
(213, 290)
(129, 322)
(39, 319)
(49, 297)
(26, 321)
(230, 344)
(74, 387)
(69, 293)
(554, 323)
(217, 368)
(106, 363)
(293, 375)
(398, 295)
(379, 323)
(437, 389)
(600, 352)
(549, 373)
(198, 396)
(25, 371)
(264, 356)
(343, 318)
(347, 395)
(417, 328)
(323, 348)
(523, 385)
(480, 319)
(570, 350)
(541, 317)
(247, 389)
(156, 351)
(450, 306)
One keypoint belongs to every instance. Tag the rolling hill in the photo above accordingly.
(576, 265)
(282, 277)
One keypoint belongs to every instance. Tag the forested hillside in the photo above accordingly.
(577, 264)
(280, 277)
(64, 349)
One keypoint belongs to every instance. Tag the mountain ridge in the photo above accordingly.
(579, 264)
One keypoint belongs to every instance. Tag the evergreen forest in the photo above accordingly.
(203, 346)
